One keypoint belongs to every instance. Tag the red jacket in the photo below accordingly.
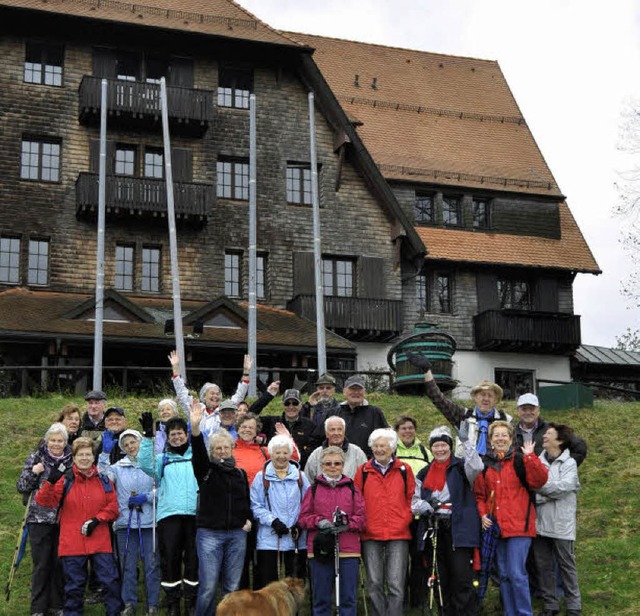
(86, 499)
(511, 498)
(387, 500)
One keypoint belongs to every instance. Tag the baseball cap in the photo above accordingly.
(114, 409)
(227, 405)
(291, 394)
(531, 399)
(354, 381)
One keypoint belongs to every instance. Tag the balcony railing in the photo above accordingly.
(129, 196)
(527, 332)
(353, 317)
(140, 102)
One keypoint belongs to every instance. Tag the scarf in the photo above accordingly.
(332, 482)
(226, 464)
(180, 449)
(436, 475)
(483, 428)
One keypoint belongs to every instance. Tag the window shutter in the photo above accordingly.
(182, 164)
(370, 280)
(180, 72)
(303, 274)
(545, 295)
(487, 288)
(104, 63)
(94, 155)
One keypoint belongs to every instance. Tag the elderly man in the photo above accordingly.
(115, 423)
(93, 418)
(486, 395)
(322, 402)
(335, 430)
(532, 427)
(360, 417)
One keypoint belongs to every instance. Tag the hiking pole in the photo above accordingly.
(362, 585)
(278, 559)
(153, 496)
(431, 582)
(141, 556)
(336, 556)
(126, 541)
(20, 547)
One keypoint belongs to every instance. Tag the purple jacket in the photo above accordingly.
(321, 501)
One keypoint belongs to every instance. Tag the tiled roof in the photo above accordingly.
(588, 354)
(217, 17)
(434, 118)
(43, 312)
(570, 252)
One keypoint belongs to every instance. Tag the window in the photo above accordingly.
(124, 268)
(9, 259)
(232, 274)
(234, 87)
(150, 280)
(443, 293)
(424, 209)
(514, 294)
(299, 183)
(514, 383)
(154, 163)
(422, 293)
(43, 64)
(434, 292)
(127, 66)
(38, 268)
(125, 161)
(233, 179)
(337, 277)
(156, 69)
(451, 211)
(480, 214)
(261, 276)
(40, 160)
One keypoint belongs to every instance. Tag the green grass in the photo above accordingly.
(608, 544)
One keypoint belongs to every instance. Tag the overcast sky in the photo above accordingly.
(571, 64)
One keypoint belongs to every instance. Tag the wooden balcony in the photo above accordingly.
(527, 332)
(136, 104)
(354, 318)
(128, 197)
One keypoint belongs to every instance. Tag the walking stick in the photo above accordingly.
(153, 498)
(141, 550)
(336, 558)
(434, 578)
(126, 541)
(19, 551)
(362, 585)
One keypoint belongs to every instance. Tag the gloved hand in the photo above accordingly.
(435, 503)
(279, 527)
(137, 500)
(108, 441)
(89, 526)
(55, 473)
(295, 531)
(419, 361)
(463, 431)
(324, 524)
(146, 421)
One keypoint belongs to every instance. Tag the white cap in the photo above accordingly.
(531, 399)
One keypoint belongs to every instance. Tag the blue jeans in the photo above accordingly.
(323, 577)
(511, 556)
(220, 552)
(386, 563)
(128, 565)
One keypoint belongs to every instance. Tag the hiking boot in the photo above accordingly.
(95, 598)
(574, 612)
(153, 611)
(129, 610)
(550, 613)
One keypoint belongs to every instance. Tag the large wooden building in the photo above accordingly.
(436, 203)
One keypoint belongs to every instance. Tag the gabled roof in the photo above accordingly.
(570, 252)
(44, 314)
(110, 295)
(217, 17)
(434, 118)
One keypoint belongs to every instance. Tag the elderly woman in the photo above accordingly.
(507, 480)
(88, 504)
(387, 485)
(556, 503)
(167, 409)
(70, 417)
(134, 526)
(249, 455)
(276, 494)
(223, 517)
(486, 396)
(47, 581)
(445, 501)
(333, 491)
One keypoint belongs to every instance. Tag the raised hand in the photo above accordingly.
(280, 428)
(146, 421)
(174, 360)
(196, 412)
(528, 448)
(274, 388)
(419, 361)
(246, 364)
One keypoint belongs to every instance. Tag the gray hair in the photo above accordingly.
(170, 402)
(57, 428)
(280, 440)
(332, 450)
(387, 433)
(221, 435)
(205, 388)
(334, 418)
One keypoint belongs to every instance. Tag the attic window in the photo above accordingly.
(221, 320)
(110, 315)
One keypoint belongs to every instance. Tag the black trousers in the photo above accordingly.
(47, 577)
(291, 564)
(178, 555)
(416, 586)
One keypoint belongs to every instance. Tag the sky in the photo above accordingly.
(572, 65)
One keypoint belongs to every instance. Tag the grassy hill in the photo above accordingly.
(608, 544)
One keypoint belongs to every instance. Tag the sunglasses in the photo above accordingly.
(291, 403)
(332, 463)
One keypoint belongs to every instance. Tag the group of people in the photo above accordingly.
(221, 495)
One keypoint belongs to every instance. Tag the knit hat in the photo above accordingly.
(441, 434)
(126, 433)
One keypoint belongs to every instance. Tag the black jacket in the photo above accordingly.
(361, 422)
(223, 500)
(577, 446)
(302, 430)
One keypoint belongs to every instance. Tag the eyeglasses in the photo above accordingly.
(326, 386)
(291, 403)
(332, 463)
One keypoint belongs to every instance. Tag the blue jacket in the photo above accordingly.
(285, 496)
(176, 483)
(128, 477)
(465, 519)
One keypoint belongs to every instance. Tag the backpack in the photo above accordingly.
(266, 483)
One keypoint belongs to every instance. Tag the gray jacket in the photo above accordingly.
(353, 458)
(556, 500)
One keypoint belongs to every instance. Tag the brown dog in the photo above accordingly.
(281, 598)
